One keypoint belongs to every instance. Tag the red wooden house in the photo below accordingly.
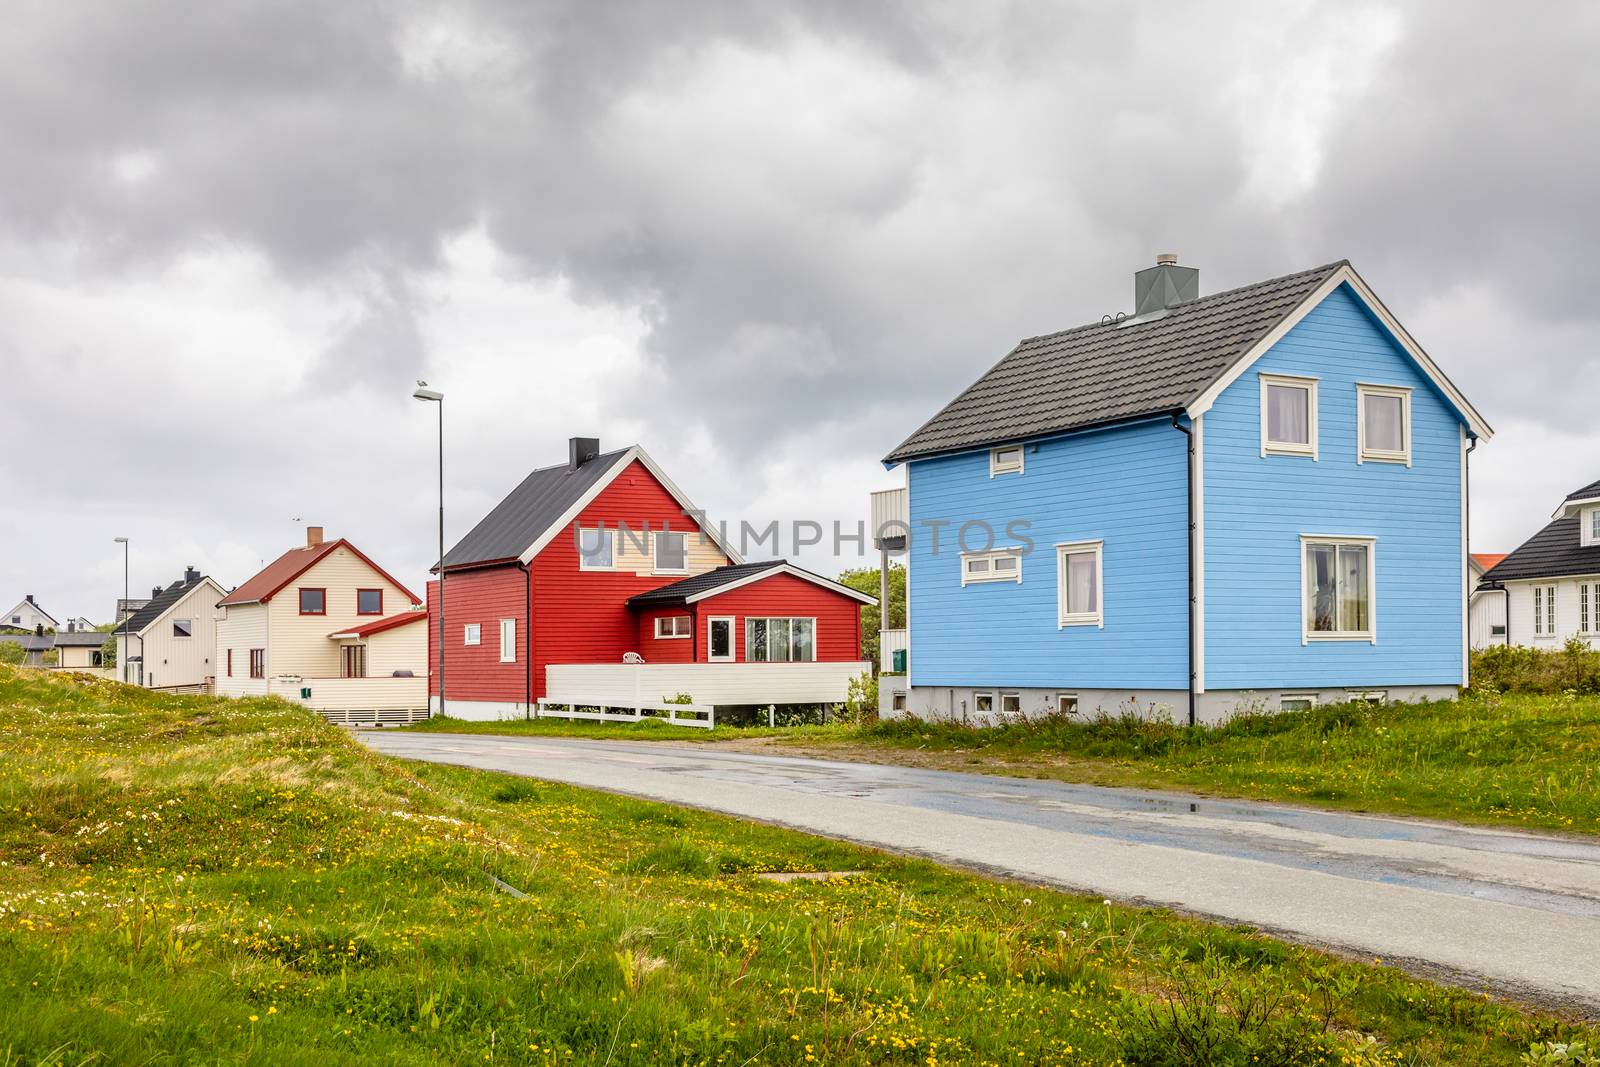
(598, 582)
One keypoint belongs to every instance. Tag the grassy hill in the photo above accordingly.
(187, 879)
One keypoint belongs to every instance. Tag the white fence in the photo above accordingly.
(358, 701)
(702, 716)
(638, 685)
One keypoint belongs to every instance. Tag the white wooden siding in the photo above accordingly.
(355, 694)
(1521, 627)
(1489, 611)
(180, 661)
(404, 648)
(241, 628)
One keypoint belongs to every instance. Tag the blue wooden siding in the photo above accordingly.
(1256, 509)
(1126, 487)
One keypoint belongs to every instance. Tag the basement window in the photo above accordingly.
(1011, 703)
(1297, 702)
(1067, 704)
(1005, 460)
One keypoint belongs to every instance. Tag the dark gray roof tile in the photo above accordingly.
(1103, 373)
(518, 520)
(1553, 552)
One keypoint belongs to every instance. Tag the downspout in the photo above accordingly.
(527, 626)
(1466, 537)
(1189, 562)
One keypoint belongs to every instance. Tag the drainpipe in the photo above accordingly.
(1188, 562)
(1466, 523)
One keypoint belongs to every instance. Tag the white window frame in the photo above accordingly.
(508, 640)
(1061, 703)
(688, 630)
(982, 696)
(1589, 527)
(1374, 455)
(1013, 697)
(1370, 635)
(655, 552)
(1588, 608)
(998, 466)
(1290, 448)
(1096, 617)
(991, 575)
(1368, 696)
(1544, 609)
(816, 637)
(472, 633)
(189, 623)
(733, 647)
(1311, 700)
(583, 561)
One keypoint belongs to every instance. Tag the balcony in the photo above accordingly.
(891, 517)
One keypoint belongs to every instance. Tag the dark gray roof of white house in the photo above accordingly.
(1104, 373)
(1554, 552)
(527, 511)
(156, 605)
(80, 638)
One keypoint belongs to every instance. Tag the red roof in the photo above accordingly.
(377, 626)
(1487, 560)
(291, 565)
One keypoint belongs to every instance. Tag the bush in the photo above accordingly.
(1516, 669)
(861, 701)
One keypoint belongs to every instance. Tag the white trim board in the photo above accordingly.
(1346, 275)
(172, 607)
(782, 568)
(634, 452)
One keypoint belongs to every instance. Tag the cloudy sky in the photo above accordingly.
(766, 240)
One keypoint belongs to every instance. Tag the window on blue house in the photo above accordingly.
(1079, 583)
(1383, 416)
(1288, 415)
(1006, 459)
(1338, 588)
(1001, 565)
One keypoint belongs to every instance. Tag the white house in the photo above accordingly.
(1551, 584)
(326, 626)
(1488, 605)
(29, 616)
(169, 643)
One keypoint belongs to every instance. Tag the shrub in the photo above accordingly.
(1517, 669)
(861, 701)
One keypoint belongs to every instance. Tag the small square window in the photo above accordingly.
(1288, 415)
(899, 700)
(313, 601)
(369, 601)
(182, 627)
(1383, 415)
(671, 552)
(1011, 703)
(983, 703)
(597, 549)
(472, 634)
(1005, 460)
(1067, 704)
(1368, 696)
(1297, 701)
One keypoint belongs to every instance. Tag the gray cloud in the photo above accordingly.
(830, 216)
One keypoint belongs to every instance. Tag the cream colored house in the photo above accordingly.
(81, 650)
(169, 643)
(326, 626)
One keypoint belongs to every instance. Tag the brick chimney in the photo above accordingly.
(313, 536)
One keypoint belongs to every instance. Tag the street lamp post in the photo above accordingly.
(422, 392)
(122, 660)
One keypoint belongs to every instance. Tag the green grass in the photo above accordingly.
(1515, 759)
(195, 880)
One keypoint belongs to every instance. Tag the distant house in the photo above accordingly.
(1550, 586)
(596, 582)
(126, 607)
(28, 616)
(1487, 622)
(168, 643)
(1252, 498)
(80, 650)
(326, 626)
(34, 646)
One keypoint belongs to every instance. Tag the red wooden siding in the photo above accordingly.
(668, 649)
(474, 672)
(582, 616)
(785, 596)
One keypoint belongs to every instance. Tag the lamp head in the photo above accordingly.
(422, 392)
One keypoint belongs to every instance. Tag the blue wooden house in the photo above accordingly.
(1255, 498)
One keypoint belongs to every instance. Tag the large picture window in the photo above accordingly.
(1288, 415)
(1338, 588)
(780, 640)
(1079, 583)
(1384, 416)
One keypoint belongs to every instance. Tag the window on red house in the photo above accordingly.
(673, 626)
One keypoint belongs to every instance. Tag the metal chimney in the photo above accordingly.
(581, 450)
(1163, 286)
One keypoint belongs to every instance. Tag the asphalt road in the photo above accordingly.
(1512, 912)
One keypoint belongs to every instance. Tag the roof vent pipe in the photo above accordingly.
(1164, 286)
